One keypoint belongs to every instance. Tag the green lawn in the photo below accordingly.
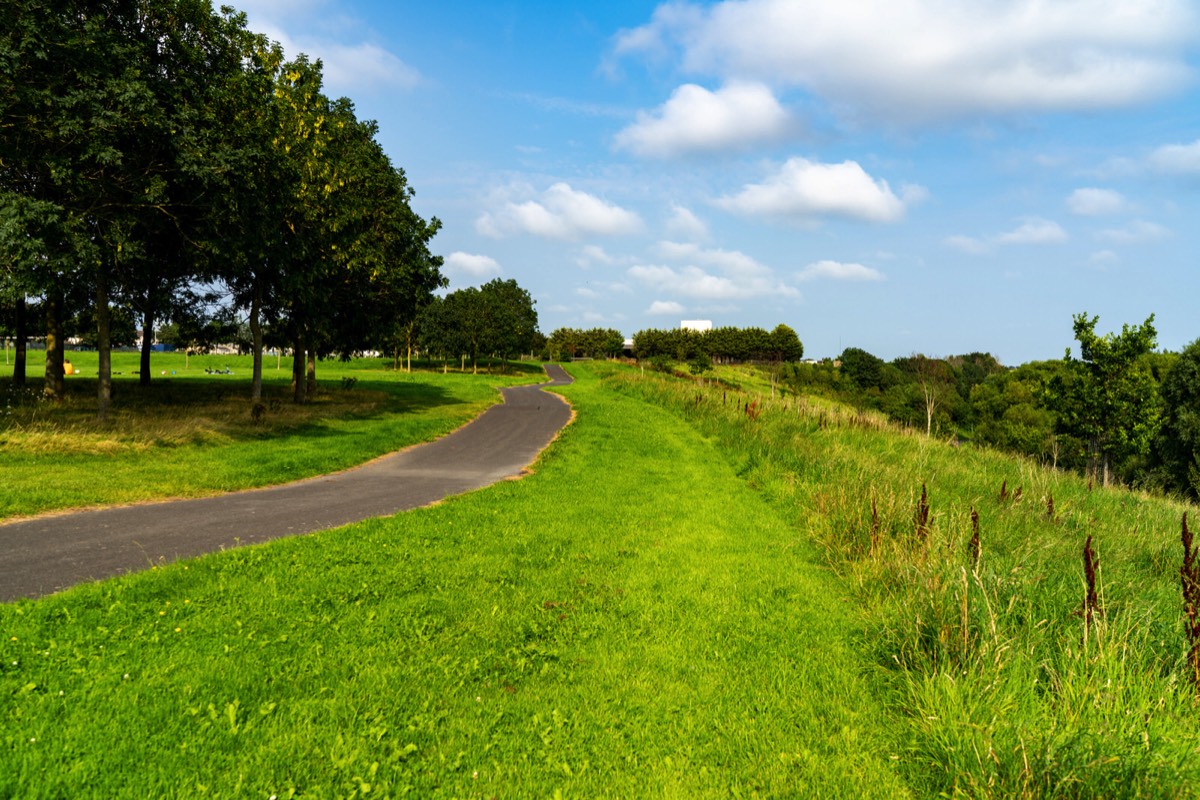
(192, 434)
(697, 593)
(630, 620)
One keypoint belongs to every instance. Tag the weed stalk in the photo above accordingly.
(975, 544)
(1190, 578)
(922, 517)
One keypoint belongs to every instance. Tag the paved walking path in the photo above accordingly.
(44, 555)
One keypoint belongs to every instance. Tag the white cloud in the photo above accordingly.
(969, 244)
(918, 60)
(709, 274)
(695, 120)
(591, 254)
(349, 67)
(686, 225)
(1089, 202)
(1104, 257)
(1177, 159)
(665, 308)
(1137, 232)
(1034, 231)
(838, 271)
(806, 190)
(354, 68)
(559, 213)
(733, 262)
(473, 266)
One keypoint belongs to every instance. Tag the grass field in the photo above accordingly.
(698, 593)
(662, 632)
(192, 434)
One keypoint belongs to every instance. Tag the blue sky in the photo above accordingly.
(934, 176)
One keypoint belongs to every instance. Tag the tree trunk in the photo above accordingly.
(299, 384)
(147, 341)
(103, 345)
(54, 387)
(22, 334)
(256, 336)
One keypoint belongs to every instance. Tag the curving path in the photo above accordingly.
(44, 555)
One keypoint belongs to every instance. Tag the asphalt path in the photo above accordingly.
(46, 554)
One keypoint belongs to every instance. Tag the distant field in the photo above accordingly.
(699, 592)
(190, 433)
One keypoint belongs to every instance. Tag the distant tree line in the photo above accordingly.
(159, 161)
(497, 320)
(725, 345)
(1118, 412)
(567, 343)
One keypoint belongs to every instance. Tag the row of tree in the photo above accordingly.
(721, 345)
(565, 344)
(497, 319)
(1117, 411)
(158, 157)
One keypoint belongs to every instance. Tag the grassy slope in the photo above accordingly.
(998, 687)
(631, 620)
(191, 435)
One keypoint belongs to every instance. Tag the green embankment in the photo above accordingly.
(630, 620)
(997, 683)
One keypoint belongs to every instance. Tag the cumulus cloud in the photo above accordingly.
(665, 308)
(591, 254)
(1090, 202)
(919, 60)
(686, 225)
(710, 274)
(806, 190)
(559, 213)
(1177, 159)
(472, 266)
(1137, 232)
(695, 120)
(839, 271)
(1033, 231)
(969, 244)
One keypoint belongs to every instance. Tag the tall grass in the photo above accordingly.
(1010, 681)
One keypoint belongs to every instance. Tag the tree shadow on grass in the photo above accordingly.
(216, 403)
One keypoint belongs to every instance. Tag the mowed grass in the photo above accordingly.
(631, 620)
(998, 686)
(192, 434)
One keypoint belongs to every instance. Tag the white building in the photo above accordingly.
(695, 325)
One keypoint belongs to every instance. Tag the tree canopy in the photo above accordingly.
(151, 147)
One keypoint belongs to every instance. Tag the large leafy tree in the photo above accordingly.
(1107, 399)
(106, 115)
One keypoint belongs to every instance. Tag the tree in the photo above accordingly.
(1107, 399)
(106, 115)
(785, 345)
(863, 369)
(1178, 443)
